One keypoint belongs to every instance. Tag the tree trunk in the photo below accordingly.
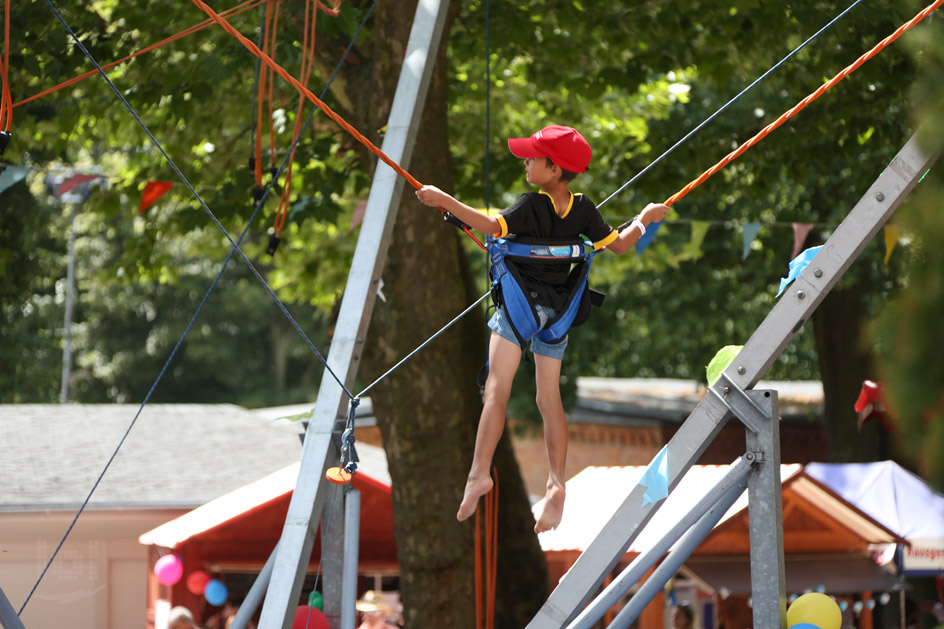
(428, 409)
(844, 362)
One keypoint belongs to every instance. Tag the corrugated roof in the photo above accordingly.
(633, 401)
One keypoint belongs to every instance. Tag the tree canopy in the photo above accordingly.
(634, 77)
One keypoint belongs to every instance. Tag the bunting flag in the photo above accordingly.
(358, 216)
(797, 265)
(722, 359)
(892, 233)
(11, 175)
(153, 190)
(656, 477)
(71, 183)
(646, 238)
(749, 235)
(800, 232)
(699, 230)
(871, 405)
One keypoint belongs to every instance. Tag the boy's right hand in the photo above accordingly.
(431, 196)
(654, 213)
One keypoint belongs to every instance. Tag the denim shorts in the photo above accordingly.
(500, 325)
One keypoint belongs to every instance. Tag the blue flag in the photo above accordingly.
(646, 238)
(797, 265)
(11, 175)
(656, 478)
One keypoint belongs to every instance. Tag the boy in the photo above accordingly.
(552, 158)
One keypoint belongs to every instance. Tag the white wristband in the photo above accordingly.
(638, 223)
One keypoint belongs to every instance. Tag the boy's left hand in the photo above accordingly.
(654, 213)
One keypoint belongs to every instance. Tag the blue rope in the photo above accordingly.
(730, 102)
(213, 285)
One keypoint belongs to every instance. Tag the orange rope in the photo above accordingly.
(308, 64)
(490, 503)
(491, 549)
(6, 100)
(334, 11)
(251, 47)
(803, 103)
(308, 94)
(260, 95)
(245, 6)
(478, 569)
(272, 44)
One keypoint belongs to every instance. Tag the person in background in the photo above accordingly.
(180, 618)
(683, 616)
(374, 611)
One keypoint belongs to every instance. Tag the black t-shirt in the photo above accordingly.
(533, 216)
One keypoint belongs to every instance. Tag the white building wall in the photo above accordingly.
(98, 579)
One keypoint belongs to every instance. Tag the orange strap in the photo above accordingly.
(260, 95)
(490, 501)
(6, 100)
(308, 64)
(272, 44)
(803, 103)
(240, 8)
(307, 93)
(251, 47)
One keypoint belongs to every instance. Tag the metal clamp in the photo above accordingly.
(740, 403)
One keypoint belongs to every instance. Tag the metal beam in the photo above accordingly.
(671, 564)
(8, 616)
(765, 517)
(251, 603)
(318, 453)
(352, 523)
(736, 475)
(761, 350)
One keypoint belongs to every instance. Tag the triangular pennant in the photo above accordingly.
(749, 235)
(797, 265)
(11, 175)
(699, 231)
(656, 477)
(646, 238)
(358, 217)
(153, 190)
(724, 357)
(74, 182)
(800, 232)
(892, 233)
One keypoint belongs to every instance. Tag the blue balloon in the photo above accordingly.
(215, 592)
(804, 625)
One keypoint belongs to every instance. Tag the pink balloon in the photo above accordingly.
(309, 618)
(169, 569)
(196, 581)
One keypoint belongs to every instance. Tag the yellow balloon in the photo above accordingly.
(816, 609)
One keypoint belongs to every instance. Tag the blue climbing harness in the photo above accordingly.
(518, 301)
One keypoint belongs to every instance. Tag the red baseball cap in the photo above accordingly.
(563, 145)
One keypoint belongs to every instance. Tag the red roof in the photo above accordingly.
(242, 527)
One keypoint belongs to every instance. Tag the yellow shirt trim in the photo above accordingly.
(554, 205)
(613, 235)
(504, 227)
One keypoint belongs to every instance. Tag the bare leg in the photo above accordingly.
(503, 359)
(547, 374)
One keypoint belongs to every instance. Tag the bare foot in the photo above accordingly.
(552, 509)
(475, 488)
